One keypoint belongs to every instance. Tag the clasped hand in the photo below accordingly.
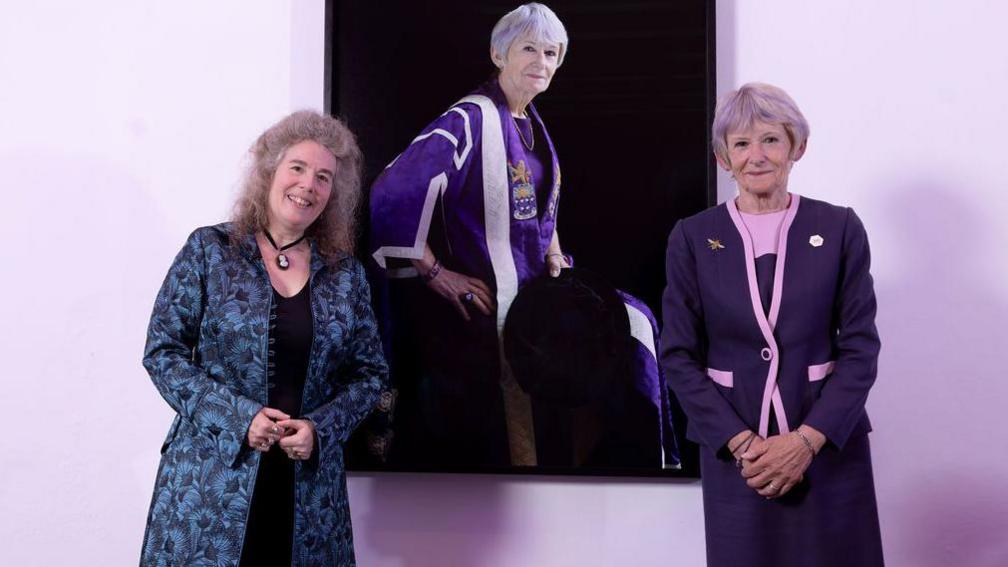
(773, 466)
(295, 436)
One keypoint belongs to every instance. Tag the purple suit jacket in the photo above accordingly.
(812, 356)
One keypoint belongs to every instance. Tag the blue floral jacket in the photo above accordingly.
(206, 354)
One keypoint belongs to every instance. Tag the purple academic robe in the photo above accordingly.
(460, 188)
(804, 352)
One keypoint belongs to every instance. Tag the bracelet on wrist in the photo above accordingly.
(749, 442)
(741, 448)
(433, 272)
(567, 258)
(742, 442)
(805, 440)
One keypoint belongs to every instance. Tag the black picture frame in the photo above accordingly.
(648, 68)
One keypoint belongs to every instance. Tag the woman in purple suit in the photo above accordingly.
(769, 342)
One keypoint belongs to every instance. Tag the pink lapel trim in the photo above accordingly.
(771, 394)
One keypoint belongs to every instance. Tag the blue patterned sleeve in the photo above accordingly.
(362, 375)
(172, 336)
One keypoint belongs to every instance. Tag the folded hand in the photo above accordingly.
(774, 466)
(264, 431)
(300, 440)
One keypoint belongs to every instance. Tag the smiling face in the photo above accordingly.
(529, 66)
(760, 158)
(302, 184)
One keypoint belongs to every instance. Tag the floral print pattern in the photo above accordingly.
(206, 354)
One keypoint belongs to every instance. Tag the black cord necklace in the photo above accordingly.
(282, 261)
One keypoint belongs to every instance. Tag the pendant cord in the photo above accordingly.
(284, 247)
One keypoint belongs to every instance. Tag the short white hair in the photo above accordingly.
(534, 19)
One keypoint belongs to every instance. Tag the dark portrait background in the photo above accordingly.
(628, 112)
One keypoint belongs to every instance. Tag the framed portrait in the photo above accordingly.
(522, 372)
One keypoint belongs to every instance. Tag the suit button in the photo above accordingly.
(766, 354)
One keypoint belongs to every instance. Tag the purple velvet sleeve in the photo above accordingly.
(841, 405)
(404, 195)
(682, 352)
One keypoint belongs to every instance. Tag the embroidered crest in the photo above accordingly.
(522, 191)
(715, 244)
(815, 240)
(520, 173)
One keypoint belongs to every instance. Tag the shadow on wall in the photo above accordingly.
(941, 460)
(433, 526)
(958, 519)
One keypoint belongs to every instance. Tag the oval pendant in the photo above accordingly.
(282, 262)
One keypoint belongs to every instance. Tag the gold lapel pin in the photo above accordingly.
(815, 240)
(715, 244)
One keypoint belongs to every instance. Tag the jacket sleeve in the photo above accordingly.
(841, 403)
(362, 375)
(404, 196)
(683, 349)
(172, 337)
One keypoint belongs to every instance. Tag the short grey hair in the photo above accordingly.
(534, 19)
(752, 102)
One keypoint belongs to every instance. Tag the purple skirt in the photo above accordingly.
(829, 519)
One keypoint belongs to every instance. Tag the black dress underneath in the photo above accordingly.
(269, 535)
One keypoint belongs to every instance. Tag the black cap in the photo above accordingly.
(567, 339)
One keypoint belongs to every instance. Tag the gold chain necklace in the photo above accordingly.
(528, 145)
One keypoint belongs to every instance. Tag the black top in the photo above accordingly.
(290, 340)
(269, 535)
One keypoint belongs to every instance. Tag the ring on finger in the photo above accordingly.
(468, 296)
(772, 486)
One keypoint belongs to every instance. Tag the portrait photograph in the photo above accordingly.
(547, 361)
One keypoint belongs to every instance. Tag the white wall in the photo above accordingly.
(123, 125)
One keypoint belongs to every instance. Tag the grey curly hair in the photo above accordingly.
(335, 231)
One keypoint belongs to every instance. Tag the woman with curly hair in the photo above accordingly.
(263, 341)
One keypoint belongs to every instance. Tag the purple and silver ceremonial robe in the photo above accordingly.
(461, 187)
(463, 166)
(802, 352)
(458, 189)
(649, 381)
